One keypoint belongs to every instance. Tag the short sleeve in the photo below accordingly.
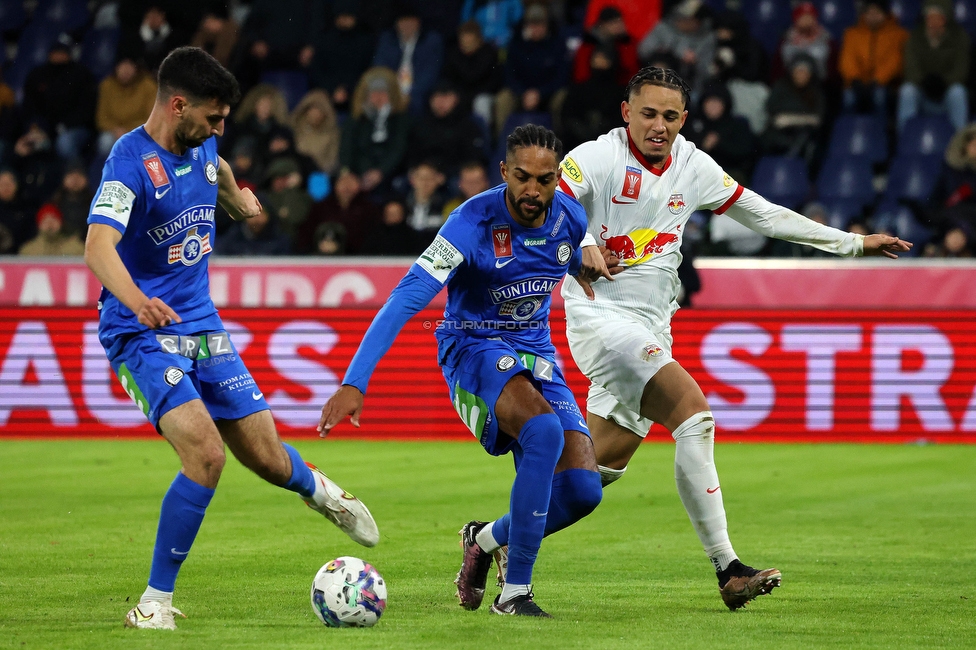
(584, 170)
(116, 196)
(447, 252)
(718, 190)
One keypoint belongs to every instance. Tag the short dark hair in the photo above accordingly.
(192, 71)
(663, 77)
(530, 135)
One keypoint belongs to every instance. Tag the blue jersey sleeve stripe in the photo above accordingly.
(96, 218)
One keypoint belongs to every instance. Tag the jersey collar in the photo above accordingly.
(643, 161)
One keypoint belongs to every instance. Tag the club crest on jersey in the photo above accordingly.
(632, 183)
(210, 170)
(676, 203)
(501, 240)
(563, 253)
(191, 250)
(154, 167)
(651, 350)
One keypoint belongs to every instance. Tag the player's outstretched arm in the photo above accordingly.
(240, 203)
(348, 400)
(104, 261)
(887, 245)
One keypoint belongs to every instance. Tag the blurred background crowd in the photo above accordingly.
(363, 123)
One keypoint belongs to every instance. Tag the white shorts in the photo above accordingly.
(619, 355)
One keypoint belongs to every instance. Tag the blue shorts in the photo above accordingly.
(476, 371)
(161, 371)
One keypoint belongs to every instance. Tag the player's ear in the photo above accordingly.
(179, 104)
(625, 111)
(684, 116)
(503, 169)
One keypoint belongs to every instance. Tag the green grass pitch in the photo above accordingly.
(877, 545)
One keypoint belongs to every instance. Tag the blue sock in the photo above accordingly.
(302, 480)
(180, 517)
(575, 494)
(541, 440)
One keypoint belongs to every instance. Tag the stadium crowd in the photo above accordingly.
(364, 123)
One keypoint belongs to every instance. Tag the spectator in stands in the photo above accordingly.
(158, 32)
(472, 66)
(425, 200)
(61, 94)
(807, 36)
(278, 35)
(740, 63)
(497, 18)
(125, 99)
(957, 243)
(687, 35)
(287, 198)
(415, 54)
(349, 206)
(871, 59)
(640, 16)
(261, 114)
(244, 161)
(936, 67)
(343, 52)
(446, 136)
(954, 199)
(316, 130)
(724, 136)
(51, 240)
(374, 138)
(9, 119)
(796, 109)
(394, 236)
(608, 34)
(16, 225)
(535, 70)
(217, 31)
(256, 236)
(592, 107)
(472, 180)
(37, 165)
(330, 239)
(74, 199)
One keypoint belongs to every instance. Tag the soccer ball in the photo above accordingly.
(348, 592)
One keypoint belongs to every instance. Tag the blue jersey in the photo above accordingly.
(163, 205)
(500, 274)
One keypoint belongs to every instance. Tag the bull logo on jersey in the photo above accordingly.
(637, 246)
(191, 250)
(676, 203)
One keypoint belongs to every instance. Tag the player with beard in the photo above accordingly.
(639, 185)
(500, 254)
(151, 228)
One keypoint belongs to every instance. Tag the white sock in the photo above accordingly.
(609, 475)
(486, 540)
(150, 594)
(510, 591)
(698, 486)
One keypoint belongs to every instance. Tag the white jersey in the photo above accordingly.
(639, 213)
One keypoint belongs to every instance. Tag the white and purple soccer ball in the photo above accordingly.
(348, 592)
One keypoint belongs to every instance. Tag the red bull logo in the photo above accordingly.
(638, 245)
(676, 203)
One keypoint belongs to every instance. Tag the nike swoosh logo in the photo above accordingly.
(161, 195)
(539, 514)
(256, 396)
(613, 199)
(499, 264)
(175, 552)
(582, 424)
(713, 490)
(142, 617)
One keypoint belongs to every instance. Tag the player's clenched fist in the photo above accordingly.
(250, 206)
(154, 313)
(346, 401)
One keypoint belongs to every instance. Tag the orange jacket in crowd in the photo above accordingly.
(873, 56)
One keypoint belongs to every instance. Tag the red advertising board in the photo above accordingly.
(775, 375)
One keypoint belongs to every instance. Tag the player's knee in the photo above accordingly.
(587, 492)
(542, 434)
(209, 460)
(700, 425)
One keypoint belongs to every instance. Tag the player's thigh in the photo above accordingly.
(672, 396)
(614, 445)
(519, 402)
(193, 434)
(254, 441)
(577, 452)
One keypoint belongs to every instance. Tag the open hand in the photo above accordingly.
(598, 262)
(887, 245)
(154, 313)
(345, 401)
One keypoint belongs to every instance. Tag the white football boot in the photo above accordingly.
(153, 615)
(343, 509)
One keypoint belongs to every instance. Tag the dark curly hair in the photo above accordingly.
(530, 135)
(663, 77)
(192, 71)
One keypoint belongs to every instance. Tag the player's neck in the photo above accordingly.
(163, 133)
